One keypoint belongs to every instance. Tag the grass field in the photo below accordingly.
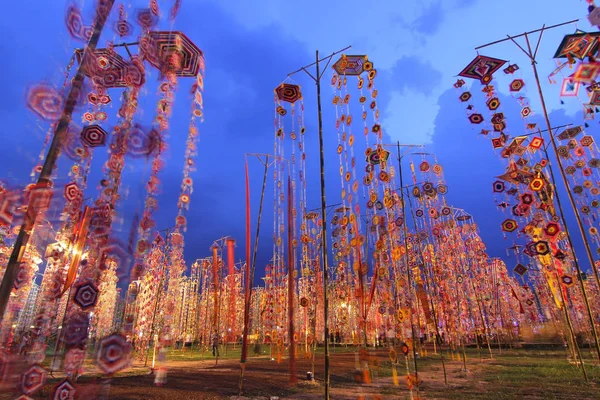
(511, 374)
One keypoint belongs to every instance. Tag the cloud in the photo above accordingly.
(381, 29)
(431, 20)
(441, 35)
(412, 73)
(409, 117)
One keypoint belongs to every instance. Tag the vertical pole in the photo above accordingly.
(216, 294)
(438, 338)
(324, 232)
(459, 334)
(483, 321)
(62, 329)
(577, 351)
(231, 322)
(250, 272)
(158, 293)
(198, 305)
(412, 323)
(207, 332)
(570, 195)
(291, 288)
(44, 179)
(363, 301)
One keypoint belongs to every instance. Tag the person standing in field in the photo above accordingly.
(215, 344)
(160, 378)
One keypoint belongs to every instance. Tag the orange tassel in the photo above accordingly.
(366, 376)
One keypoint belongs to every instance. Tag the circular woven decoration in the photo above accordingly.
(65, 390)
(33, 379)
(45, 101)
(288, 92)
(113, 353)
(86, 296)
(172, 51)
(72, 192)
(93, 136)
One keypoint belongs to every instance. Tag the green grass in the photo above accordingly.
(514, 374)
(231, 352)
(526, 374)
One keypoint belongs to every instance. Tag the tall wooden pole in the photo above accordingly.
(324, 251)
(161, 283)
(250, 265)
(216, 293)
(291, 287)
(483, 320)
(44, 180)
(317, 79)
(531, 54)
(408, 274)
(577, 351)
(438, 338)
(571, 200)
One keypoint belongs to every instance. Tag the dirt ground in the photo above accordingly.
(536, 376)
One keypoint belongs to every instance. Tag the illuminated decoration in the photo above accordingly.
(516, 85)
(288, 93)
(105, 67)
(65, 390)
(352, 65)
(33, 379)
(509, 225)
(86, 296)
(45, 102)
(113, 354)
(93, 136)
(172, 52)
(527, 196)
(482, 68)
(86, 257)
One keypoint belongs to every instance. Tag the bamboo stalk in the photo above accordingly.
(44, 180)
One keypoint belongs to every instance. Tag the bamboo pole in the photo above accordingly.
(158, 293)
(531, 54)
(460, 338)
(438, 338)
(408, 274)
(324, 251)
(291, 288)
(250, 276)
(324, 230)
(44, 180)
(482, 316)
